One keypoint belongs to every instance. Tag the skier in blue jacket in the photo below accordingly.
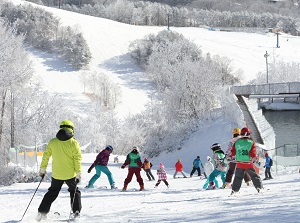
(196, 166)
(268, 167)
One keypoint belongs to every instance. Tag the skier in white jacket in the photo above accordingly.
(209, 168)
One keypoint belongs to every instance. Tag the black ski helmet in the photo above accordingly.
(215, 147)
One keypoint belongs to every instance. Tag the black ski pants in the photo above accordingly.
(194, 170)
(53, 192)
(165, 181)
(239, 175)
(230, 173)
(149, 174)
(268, 172)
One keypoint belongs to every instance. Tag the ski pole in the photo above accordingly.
(76, 181)
(203, 170)
(32, 197)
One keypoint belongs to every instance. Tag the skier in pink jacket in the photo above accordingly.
(162, 175)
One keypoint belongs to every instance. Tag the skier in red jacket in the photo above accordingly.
(179, 168)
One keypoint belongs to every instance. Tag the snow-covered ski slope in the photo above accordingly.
(184, 201)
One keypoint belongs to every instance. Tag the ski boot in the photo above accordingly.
(75, 215)
(249, 183)
(211, 186)
(125, 187)
(142, 188)
(260, 190)
(113, 187)
(41, 216)
(227, 185)
(233, 192)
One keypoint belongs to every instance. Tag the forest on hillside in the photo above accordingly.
(242, 15)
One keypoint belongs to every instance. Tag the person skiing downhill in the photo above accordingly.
(100, 165)
(147, 168)
(244, 151)
(208, 169)
(196, 166)
(133, 159)
(179, 168)
(66, 168)
(220, 166)
(162, 175)
(231, 165)
(267, 165)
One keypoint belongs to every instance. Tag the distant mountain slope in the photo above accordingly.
(109, 40)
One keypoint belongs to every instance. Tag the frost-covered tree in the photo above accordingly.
(189, 86)
(15, 71)
(75, 50)
(120, 11)
(42, 30)
(101, 89)
(230, 13)
(279, 72)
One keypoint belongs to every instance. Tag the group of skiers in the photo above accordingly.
(238, 161)
(66, 156)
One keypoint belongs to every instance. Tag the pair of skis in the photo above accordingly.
(55, 216)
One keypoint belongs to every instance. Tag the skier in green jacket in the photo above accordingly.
(66, 168)
(133, 160)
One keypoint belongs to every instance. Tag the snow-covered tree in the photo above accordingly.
(189, 86)
(15, 71)
(101, 89)
(279, 72)
(42, 30)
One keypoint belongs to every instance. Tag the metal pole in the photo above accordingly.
(32, 198)
(266, 56)
(36, 159)
(168, 22)
(277, 40)
(12, 118)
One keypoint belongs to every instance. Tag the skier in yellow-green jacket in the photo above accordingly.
(66, 168)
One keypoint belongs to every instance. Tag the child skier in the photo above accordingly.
(147, 168)
(267, 165)
(162, 175)
(220, 166)
(100, 165)
(196, 166)
(179, 168)
(208, 169)
(231, 166)
(116, 159)
(244, 151)
(133, 159)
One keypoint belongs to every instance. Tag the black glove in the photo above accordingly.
(89, 170)
(78, 177)
(123, 166)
